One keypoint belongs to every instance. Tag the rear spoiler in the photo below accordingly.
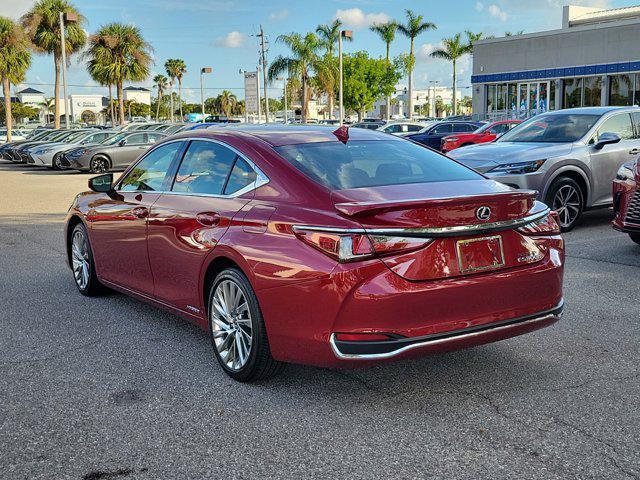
(353, 209)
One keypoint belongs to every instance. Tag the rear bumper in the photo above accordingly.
(450, 340)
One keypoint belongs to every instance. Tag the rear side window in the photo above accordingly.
(241, 175)
(150, 172)
(204, 169)
(372, 163)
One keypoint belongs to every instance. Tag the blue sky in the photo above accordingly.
(218, 33)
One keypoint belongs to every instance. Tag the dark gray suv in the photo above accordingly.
(569, 156)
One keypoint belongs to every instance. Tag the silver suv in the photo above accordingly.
(569, 156)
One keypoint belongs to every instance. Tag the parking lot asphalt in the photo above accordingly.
(110, 388)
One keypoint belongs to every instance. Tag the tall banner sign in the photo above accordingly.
(251, 92)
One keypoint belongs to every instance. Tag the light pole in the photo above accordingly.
(203, 70)
(69, 17)
(432, 99)
(263, 61)
(285, 97)
(345, 34)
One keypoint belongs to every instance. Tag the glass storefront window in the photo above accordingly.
(543, 97)
(572, 92)
(621, 90)
(592, 91)
(491, 98)
(523, 96)
(502, 94)
(552, 95)
(512, 97)
(636, 90)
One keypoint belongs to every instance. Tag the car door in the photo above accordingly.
(119, 222)
(606, 161)
(211, 185)
(437, 133)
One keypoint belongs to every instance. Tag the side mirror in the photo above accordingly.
(122, 143)
(607, 138)
(102, 183)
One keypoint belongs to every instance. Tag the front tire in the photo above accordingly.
(55, 162)
(635, 237)
(82, 264)
(238, 334)
(566, 198)
(99, 164)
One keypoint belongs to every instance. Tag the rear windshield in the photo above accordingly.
(372, 163)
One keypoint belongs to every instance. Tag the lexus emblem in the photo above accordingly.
(483, 213)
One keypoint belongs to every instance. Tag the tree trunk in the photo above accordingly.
(56, 92)
(180, 97)
(360, 115)
(304, 99)
(6, 91)
(410, 102)
(159, 101)
(388, 116)
(330, 104)
(455, 106)
(113, 116)
(120, 102)
(171, 100)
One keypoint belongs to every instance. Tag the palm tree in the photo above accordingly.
(387, 32)
(180, 69)
(42, 24)
(414, 27)
(160, 82)
(227, 100)
(174, 67)
(123, 56)
(15, 59)
(98, 68)
(329, 34)
(47, 107)
(302, 62)
(472, 38)
(453, 49)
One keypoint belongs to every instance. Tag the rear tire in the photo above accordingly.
(99, 164)
(635, 237)
(82, 264)
(566, 197)
(237, 330)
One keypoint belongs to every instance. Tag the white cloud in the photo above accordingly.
(15, 8)
(356, 18)
(496, 11)
(279, 15)
(479, 6)
(233, 39)
(423, 53)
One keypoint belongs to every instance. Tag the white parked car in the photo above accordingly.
(15, 135)
(49, 154)
(402, 128)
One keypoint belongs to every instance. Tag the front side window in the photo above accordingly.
(619, 124)
(137, 139)
(149, 173)
(371, 163)
(204, 169)
(414, 128)
(552, 128)
(500, 128)
(441, 129)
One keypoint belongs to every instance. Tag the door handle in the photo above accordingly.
(208, 219)
(140, 212)
(634, 151)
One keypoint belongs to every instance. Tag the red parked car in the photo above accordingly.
(486, 133)
(626, 200)
(311, 245)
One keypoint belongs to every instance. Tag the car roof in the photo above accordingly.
(279, 135)
(593, 110)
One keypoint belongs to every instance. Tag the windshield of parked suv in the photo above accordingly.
(372, 163)
(551, 128)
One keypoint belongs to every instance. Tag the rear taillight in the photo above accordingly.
(547, 225)
(346, 246)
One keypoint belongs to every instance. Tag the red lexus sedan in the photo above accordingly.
(626, 200)
(486, 133)
(326, 247)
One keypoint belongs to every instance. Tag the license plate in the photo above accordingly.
(479, 254)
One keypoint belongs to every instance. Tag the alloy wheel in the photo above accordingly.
(231, 325)
(99, 165)
(80, 260)
(566, 203)
(56, 161)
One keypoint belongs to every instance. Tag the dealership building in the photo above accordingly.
(593, 60)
